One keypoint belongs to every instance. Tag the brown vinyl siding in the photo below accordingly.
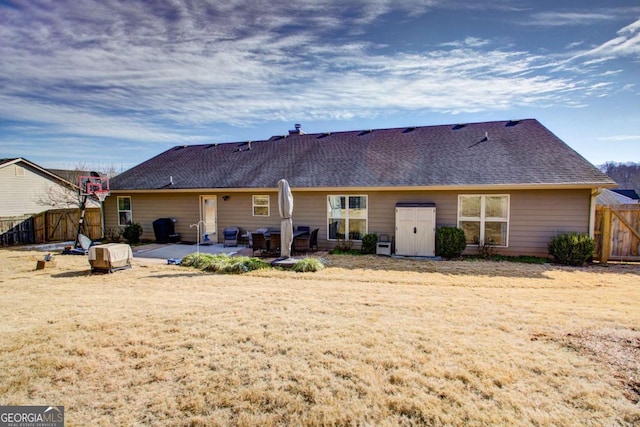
(238, 211)
(146, 208)
(535, 215)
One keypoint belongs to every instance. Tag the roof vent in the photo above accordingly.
(364, 132)
(297, 131)
(324, 135)
(485, 139)
(459, 126)
(511, 123)
(409, 129)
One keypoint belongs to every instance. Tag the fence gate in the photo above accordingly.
(617, 233)
(62, 224)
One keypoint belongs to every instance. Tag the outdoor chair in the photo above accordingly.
(231, 236)
(258, 243)
(244, 238)
(313, 244)
(306, 243)
(275, 243)
(303, 228)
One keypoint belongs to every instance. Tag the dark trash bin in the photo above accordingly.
(164, 230)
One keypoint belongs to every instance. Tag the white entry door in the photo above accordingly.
(208, 214)
(416, 231)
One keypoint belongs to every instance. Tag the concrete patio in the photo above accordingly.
(180, 250)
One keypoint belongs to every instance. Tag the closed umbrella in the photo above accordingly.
(285, 204)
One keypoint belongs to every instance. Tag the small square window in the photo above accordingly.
(261, 205)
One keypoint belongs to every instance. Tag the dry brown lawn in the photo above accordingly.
(368, 341)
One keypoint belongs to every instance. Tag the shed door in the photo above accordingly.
(416, 231)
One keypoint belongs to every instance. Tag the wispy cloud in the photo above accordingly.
(620, 138)
(577, 17)
(161, 73)
(467, 42)
(627, 44)
(555, 19)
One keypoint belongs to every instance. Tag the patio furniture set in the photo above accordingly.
(267, 241)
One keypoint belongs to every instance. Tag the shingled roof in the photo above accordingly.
(498, 153)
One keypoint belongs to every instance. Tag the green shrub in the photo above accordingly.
(112, 234)
(308, 265)
(239, 265)
(450, 242)
(223, 263)
(369, 243)
(132, 233)
(344, 247)
(572, 248)
(199, 261)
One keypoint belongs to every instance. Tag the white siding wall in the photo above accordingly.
(19, 193)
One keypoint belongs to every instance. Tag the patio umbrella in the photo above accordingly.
(285, 204)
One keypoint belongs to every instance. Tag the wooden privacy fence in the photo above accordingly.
(16, 230)
(617, 233)
(56, 225)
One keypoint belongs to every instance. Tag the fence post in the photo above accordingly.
(605, 250)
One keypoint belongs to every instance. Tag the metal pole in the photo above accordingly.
(198, 236)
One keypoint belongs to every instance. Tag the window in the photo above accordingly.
(260, 205)
(124, 210)
(347, 217)
(484, 218)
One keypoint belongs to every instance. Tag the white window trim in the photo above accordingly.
(254, 206)
(130, 209)
(347, 214)
(483, 219)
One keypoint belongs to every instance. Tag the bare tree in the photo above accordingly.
(627, 175)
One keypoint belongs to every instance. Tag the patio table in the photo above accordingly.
(267, 235)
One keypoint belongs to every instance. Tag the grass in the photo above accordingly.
(308, 265)
(222, 263)
(525, 259)
(366, 341)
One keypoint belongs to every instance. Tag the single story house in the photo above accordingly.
(617, 197)
(27, 189)
(512, 184)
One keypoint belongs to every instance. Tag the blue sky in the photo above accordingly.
(113, 83)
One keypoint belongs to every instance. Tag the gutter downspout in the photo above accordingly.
(592, 212)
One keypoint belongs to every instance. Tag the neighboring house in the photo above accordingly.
(511, 183)
(618, 197)
(631, 194)
(26, 189)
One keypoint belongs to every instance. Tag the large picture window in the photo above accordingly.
(347, 217)
(124, 210)
(261, 206)
(484, 218)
